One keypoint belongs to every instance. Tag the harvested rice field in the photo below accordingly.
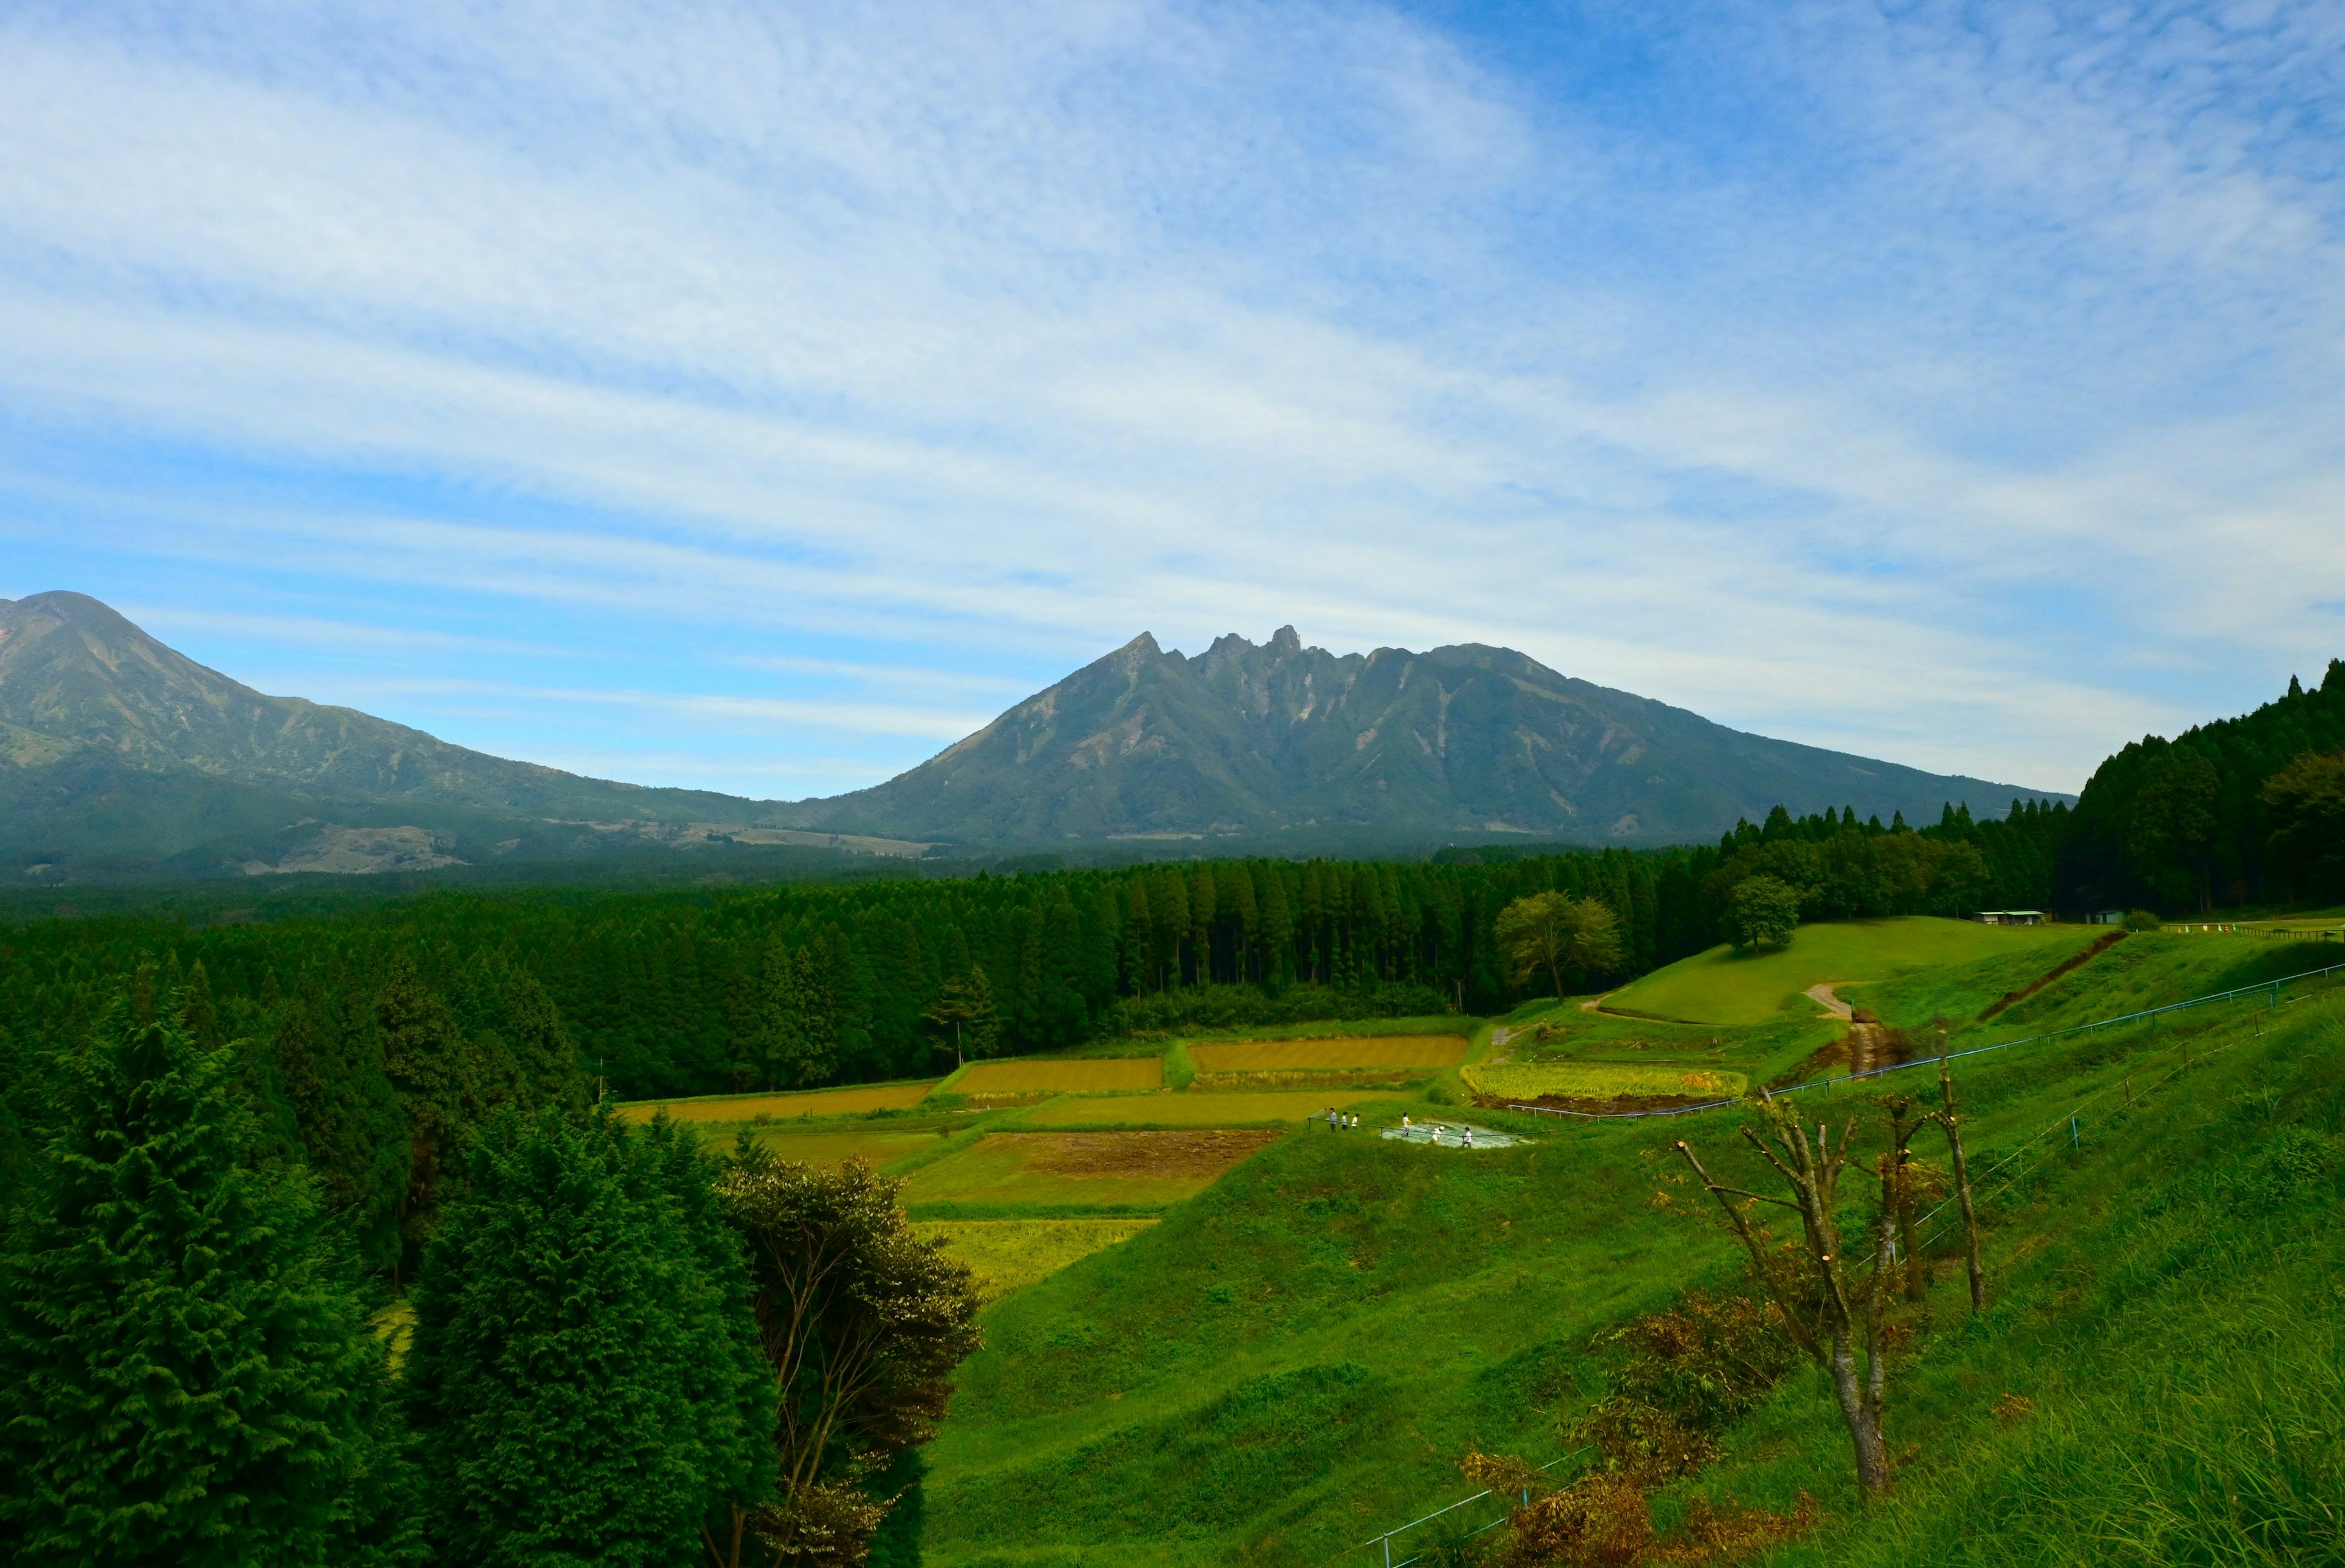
(815, 1102)
(1082, 1169)
(1331, 1054)
(1061, 1076)
(1196, 1108)
(1008, 1254)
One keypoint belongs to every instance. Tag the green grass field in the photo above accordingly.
(1297, 1356)
(1724, 986)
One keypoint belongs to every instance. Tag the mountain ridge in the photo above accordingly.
(114, 744)
(1278, 737)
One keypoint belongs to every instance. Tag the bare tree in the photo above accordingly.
(1902, 1182)
(1950, 1118)
(1827, 1308)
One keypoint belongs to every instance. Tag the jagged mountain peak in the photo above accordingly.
(1279, 736)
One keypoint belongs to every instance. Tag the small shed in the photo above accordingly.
(2106, 918)
(2009, 917)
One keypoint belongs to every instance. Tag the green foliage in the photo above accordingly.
(2306, 802)
(191, 1381)
(583, 1382)
(1552, 933)
(863, 1323)
(1762, 911)
(2185, 823)
(2142, 920)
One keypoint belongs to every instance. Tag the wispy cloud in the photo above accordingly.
(1959, 385)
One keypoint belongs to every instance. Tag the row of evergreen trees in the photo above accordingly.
(593, 1363)
(421, 1015)
(2192, 822)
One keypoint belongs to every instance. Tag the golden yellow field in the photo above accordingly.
(1011, 1254)
(1342, 1051)
(1062, 1076)
(749, 1107)
(873, 1143)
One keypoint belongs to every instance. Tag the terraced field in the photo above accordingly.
(1057, 1170)
(1059, 1076)
(814, 1102)
(1198, 1109)
(1011, 1254)
(1335, 1052)
(1602, 1080)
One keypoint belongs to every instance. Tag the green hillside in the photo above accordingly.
(1726, 987)
(1299, 1358)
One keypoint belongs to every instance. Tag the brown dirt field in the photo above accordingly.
(1090, 1073)
(1124, 1155)
(1341, 1051)
(816, 1102)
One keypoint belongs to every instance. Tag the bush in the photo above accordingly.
(2141, 920)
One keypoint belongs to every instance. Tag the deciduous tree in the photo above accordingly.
(862, 1324)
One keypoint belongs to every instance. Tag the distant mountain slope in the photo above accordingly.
(116, 749)
(114, 744)
(1246, 739)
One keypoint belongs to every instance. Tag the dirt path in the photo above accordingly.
(1823, 997)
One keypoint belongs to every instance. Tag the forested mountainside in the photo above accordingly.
(1247, 739)
(2187, 824)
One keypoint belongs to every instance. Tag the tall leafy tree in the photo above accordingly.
(584, 1382)
(192, 1381)
(863, 1323)
(2307, 803)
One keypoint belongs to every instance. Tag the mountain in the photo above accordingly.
(120, 756)
(1281, 738)
(115, 748)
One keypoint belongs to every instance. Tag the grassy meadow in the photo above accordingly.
(1724, 986)
(1217, 1336)
(1297, 1356)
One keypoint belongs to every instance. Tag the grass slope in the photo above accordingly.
(1295, 1359)
(1724, 986)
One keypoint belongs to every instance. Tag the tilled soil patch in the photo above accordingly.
(1126, 1155)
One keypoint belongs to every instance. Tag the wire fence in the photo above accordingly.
(2212, 998)
(1389, 1536)
(1985, 1186)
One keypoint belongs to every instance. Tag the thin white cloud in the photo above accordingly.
(1972, 430)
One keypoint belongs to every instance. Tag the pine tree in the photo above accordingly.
(191, 1378)
(586, 1384)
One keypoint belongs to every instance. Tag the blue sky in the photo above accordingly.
(760, 396)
